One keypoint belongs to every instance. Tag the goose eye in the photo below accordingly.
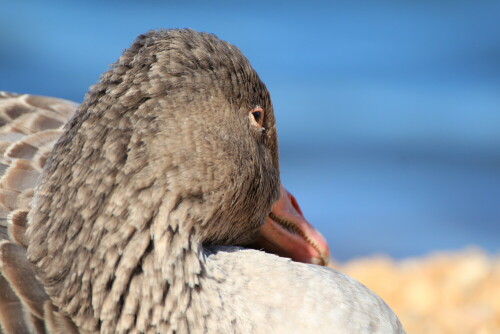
(257, 116)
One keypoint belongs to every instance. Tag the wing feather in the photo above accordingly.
(29, 127)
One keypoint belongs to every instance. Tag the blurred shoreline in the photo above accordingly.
(442, 292)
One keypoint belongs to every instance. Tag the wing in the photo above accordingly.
(29, 127)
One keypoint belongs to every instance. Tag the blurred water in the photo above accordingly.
(388, 112)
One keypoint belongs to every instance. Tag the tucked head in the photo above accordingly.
(173, 148)
(184, 112)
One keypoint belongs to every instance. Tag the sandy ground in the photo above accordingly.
(455, 292)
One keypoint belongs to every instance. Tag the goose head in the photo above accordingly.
(173, 149)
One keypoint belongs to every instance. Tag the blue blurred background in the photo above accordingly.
(388, 112)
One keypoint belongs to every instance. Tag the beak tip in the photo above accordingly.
(321, 259)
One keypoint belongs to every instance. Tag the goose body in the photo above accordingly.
(146, 199)
(281, 296)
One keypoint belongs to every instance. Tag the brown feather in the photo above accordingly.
(57, 323)
(17, 227)
(4, 213)
(37, 324)
(12, 318)
(21, 276)
(20, 176)
(9, 199)
(27, 146)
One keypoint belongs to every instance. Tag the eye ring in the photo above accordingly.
(257, 117)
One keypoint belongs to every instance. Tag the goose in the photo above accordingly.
(134, 212)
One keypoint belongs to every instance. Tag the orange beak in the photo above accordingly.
(287, 233)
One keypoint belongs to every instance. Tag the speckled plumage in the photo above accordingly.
(158, 171)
